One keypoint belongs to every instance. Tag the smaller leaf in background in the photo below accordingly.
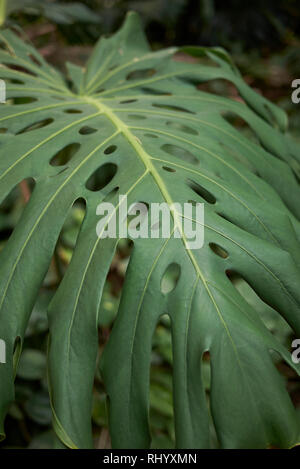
(161, 400)
(161, 441)
(43, 440)
(68, 13)
(162, 343)
(71, 227)
(99, 412)
(38, 408)
(273, 321)
(158, 9)
(32, 365)
(15, 412)
(38, 322)
(161, 408)
(108, 307)
(58, 12)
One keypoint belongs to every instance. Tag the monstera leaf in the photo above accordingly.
(137, 120)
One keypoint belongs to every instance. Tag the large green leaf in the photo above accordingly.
(142, 112)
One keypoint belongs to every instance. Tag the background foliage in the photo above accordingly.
(263, 38)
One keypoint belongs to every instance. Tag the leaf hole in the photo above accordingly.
(218, 250)
(69, 235)
(137, 214)
(170, 170)
(18, 68)
(129, 101)
(170, 278)
(180, 152)
(237, 155)
(272, 319)
(59, 172)
(5, 47)
(34, 59)
(241, 125)
(229, 220)
(161, 404)
(170, 107)
(65, 154)
(136, 117)
(206, 370)
(113, 67)
(5, 234)
(201, 191)
(22, 100)
(16, 82)
(154, 92)
(86, 130)
(14, 203)
(72, 111)
(101, 177)
(111, 149)
(36, 126)
(221, 87)
(142, 73)
(182, 128)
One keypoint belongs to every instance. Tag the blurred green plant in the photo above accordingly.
(56, 11)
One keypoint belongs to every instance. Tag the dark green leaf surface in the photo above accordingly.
(146, 105)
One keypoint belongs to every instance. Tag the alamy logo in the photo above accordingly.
(2, 91)
(296, 93)
(155, 220)
(296, 353)
(2, 351)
